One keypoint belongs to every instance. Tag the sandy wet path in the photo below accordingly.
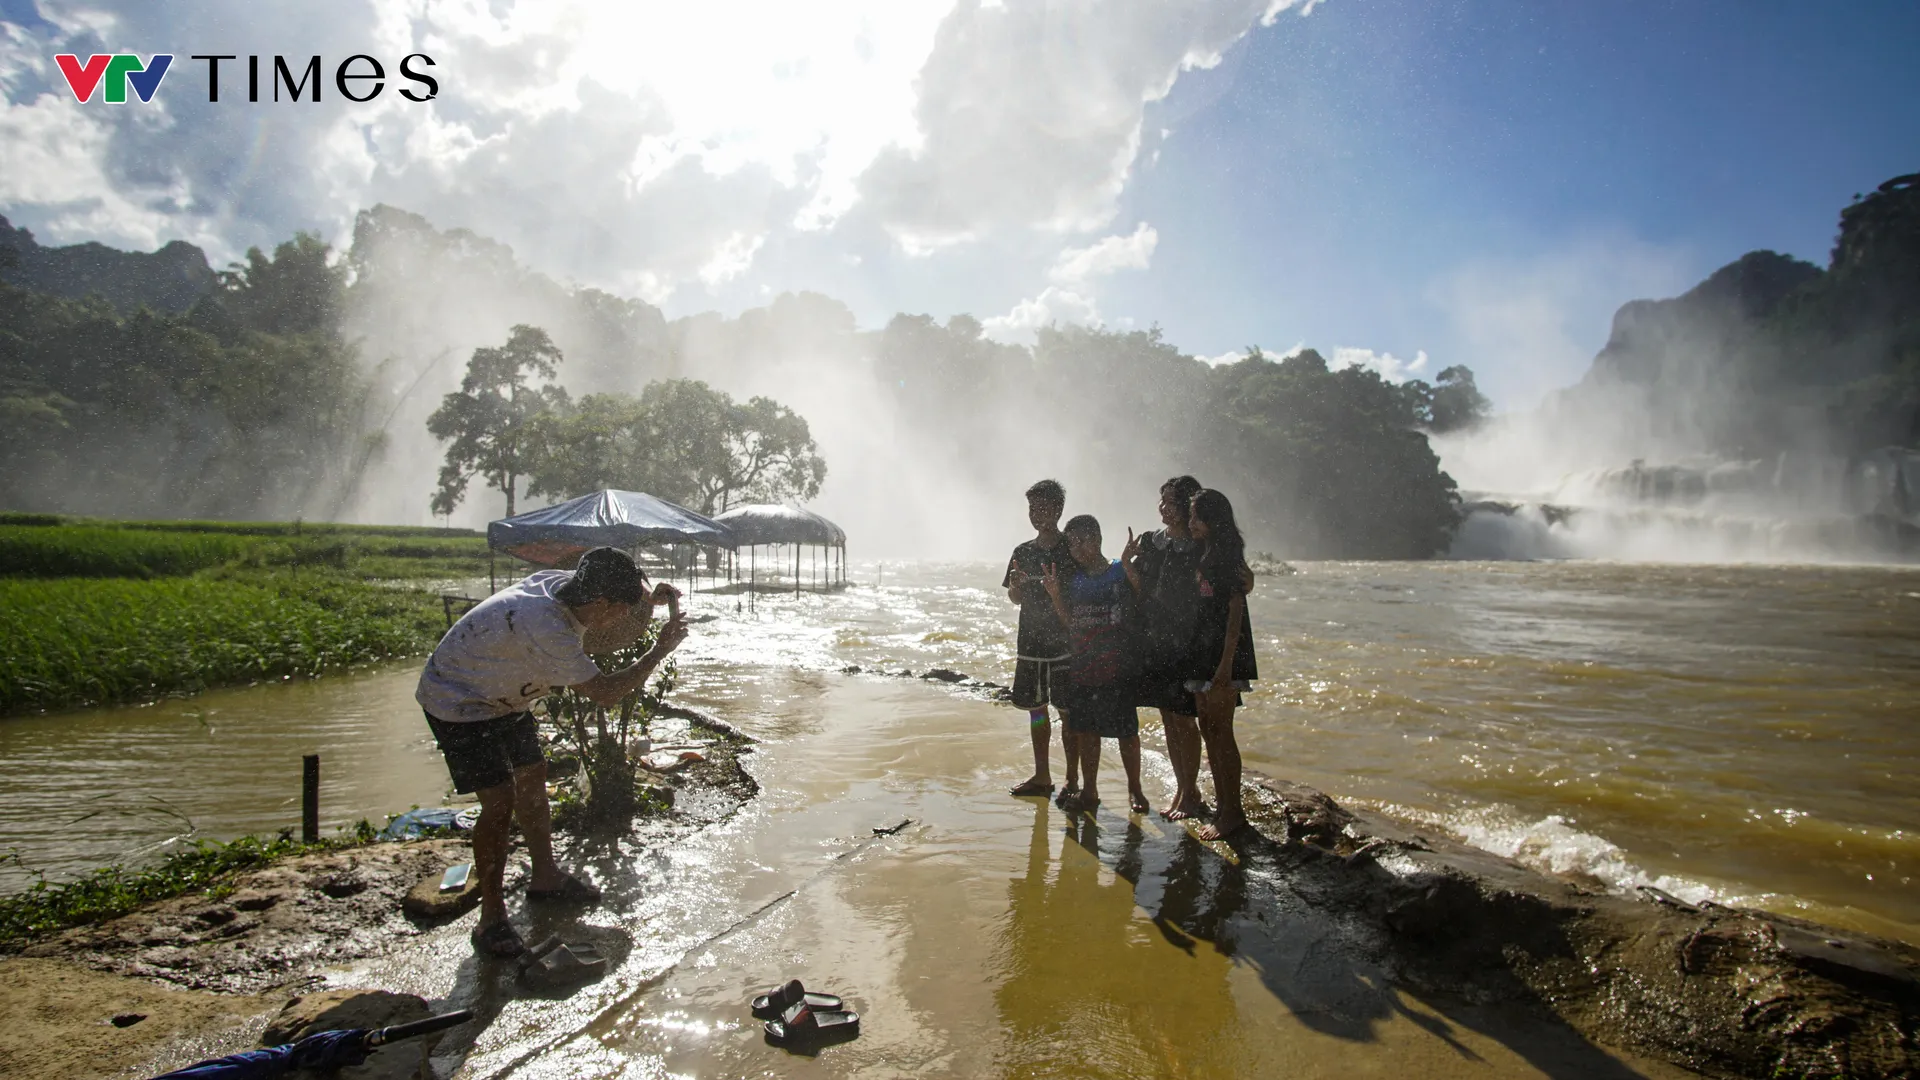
(991, 937)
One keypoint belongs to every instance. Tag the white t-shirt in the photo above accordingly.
(510, 650)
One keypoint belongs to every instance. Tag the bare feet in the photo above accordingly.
(1137, 801)
(1085, 802)
(1033, 785)
(1190, 807)
(1068, 796)
(1221, 829)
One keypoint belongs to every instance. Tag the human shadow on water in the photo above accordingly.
(1321, 965)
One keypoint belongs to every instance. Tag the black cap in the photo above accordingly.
(610, 573)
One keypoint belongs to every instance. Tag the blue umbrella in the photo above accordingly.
(327, 1050)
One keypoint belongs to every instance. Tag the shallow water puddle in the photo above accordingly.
(992, 937)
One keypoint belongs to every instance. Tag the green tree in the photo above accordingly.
(486, 421)
(681, 440)
(1456, 403)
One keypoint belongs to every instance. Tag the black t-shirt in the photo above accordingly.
(1210, 630)
(1041, 635)
(1169, 594)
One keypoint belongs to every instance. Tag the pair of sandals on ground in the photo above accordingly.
(795, 1016)
(502, 940)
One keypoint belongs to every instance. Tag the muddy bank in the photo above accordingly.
(271, 928)
(205, 973)
(1722, 991)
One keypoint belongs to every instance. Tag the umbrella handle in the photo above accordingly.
(428, 1026)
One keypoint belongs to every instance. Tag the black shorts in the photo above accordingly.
(1034, 682)
(1164, 690)
(1105, 712)
(483, 753)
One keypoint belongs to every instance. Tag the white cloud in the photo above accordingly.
(1131, 252)
(1386, 365)
(1030, 114)
(624, 145)
(1070, 299)
(733, 258)
(1054, 306)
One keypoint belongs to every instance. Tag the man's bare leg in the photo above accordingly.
(490, 851)
(1070, 746)
(536, 825)
(1041, 782)
(1223, 758)
(1130, 761)
(1089, 747)
(1183, 750)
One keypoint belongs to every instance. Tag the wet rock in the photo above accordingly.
(426, 900)
(340, 886)
(127, 1020)
(943, 675)
(346, 1010)
(1721, 991)
(850, 669)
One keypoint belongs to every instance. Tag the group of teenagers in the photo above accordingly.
(1164, 626)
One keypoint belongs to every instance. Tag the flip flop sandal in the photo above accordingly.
(1030, 787)
(781, 998)
(499, 939)
(572, 891)
(804, 1025)
(563, 964)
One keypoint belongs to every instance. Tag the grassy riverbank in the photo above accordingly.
(96, 612)
(207, 867)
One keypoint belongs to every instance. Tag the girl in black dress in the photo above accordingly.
(1169, 604)
(1220, 662)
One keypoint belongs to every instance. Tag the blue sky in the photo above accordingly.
(1481, 182)
(1355, 157)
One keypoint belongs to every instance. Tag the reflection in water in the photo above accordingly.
(1082, 995)
(1741, 733)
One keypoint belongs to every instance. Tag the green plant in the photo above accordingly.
(608, 791)
(46, 907)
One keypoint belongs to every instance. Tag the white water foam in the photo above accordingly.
(1553, 845)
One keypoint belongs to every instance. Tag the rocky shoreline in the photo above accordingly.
(1718, 991)
(1722, 991)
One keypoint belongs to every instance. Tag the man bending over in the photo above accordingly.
(515, 647)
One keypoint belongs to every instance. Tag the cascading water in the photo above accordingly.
(1792, 508)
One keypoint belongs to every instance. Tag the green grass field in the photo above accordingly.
(77, 641)
(97, 612)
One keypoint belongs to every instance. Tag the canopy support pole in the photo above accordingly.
(492, 586)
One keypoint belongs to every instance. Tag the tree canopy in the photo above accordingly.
(681, 440)
(486, 422)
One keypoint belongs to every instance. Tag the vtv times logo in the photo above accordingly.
(113, 73)
(118, 71)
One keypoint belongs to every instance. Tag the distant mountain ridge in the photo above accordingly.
(1772, 354)
(170, 279)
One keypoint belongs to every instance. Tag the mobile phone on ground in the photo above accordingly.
(455, 878)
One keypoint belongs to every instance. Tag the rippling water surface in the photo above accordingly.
(1741, 732)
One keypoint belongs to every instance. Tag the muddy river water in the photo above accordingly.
(1740, 732)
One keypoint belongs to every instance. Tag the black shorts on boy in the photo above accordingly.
(1039, 683)
(483, 753)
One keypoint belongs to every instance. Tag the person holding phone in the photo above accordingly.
(512, 649)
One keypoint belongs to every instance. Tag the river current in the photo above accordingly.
(1742, 733)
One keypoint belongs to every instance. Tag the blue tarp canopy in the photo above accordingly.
(557, 535)
(770, 523)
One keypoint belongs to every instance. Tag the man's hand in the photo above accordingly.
(1051, 581)
(672, 633)
(1132, 550)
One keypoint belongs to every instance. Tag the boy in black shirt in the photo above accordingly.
(1042, 644)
